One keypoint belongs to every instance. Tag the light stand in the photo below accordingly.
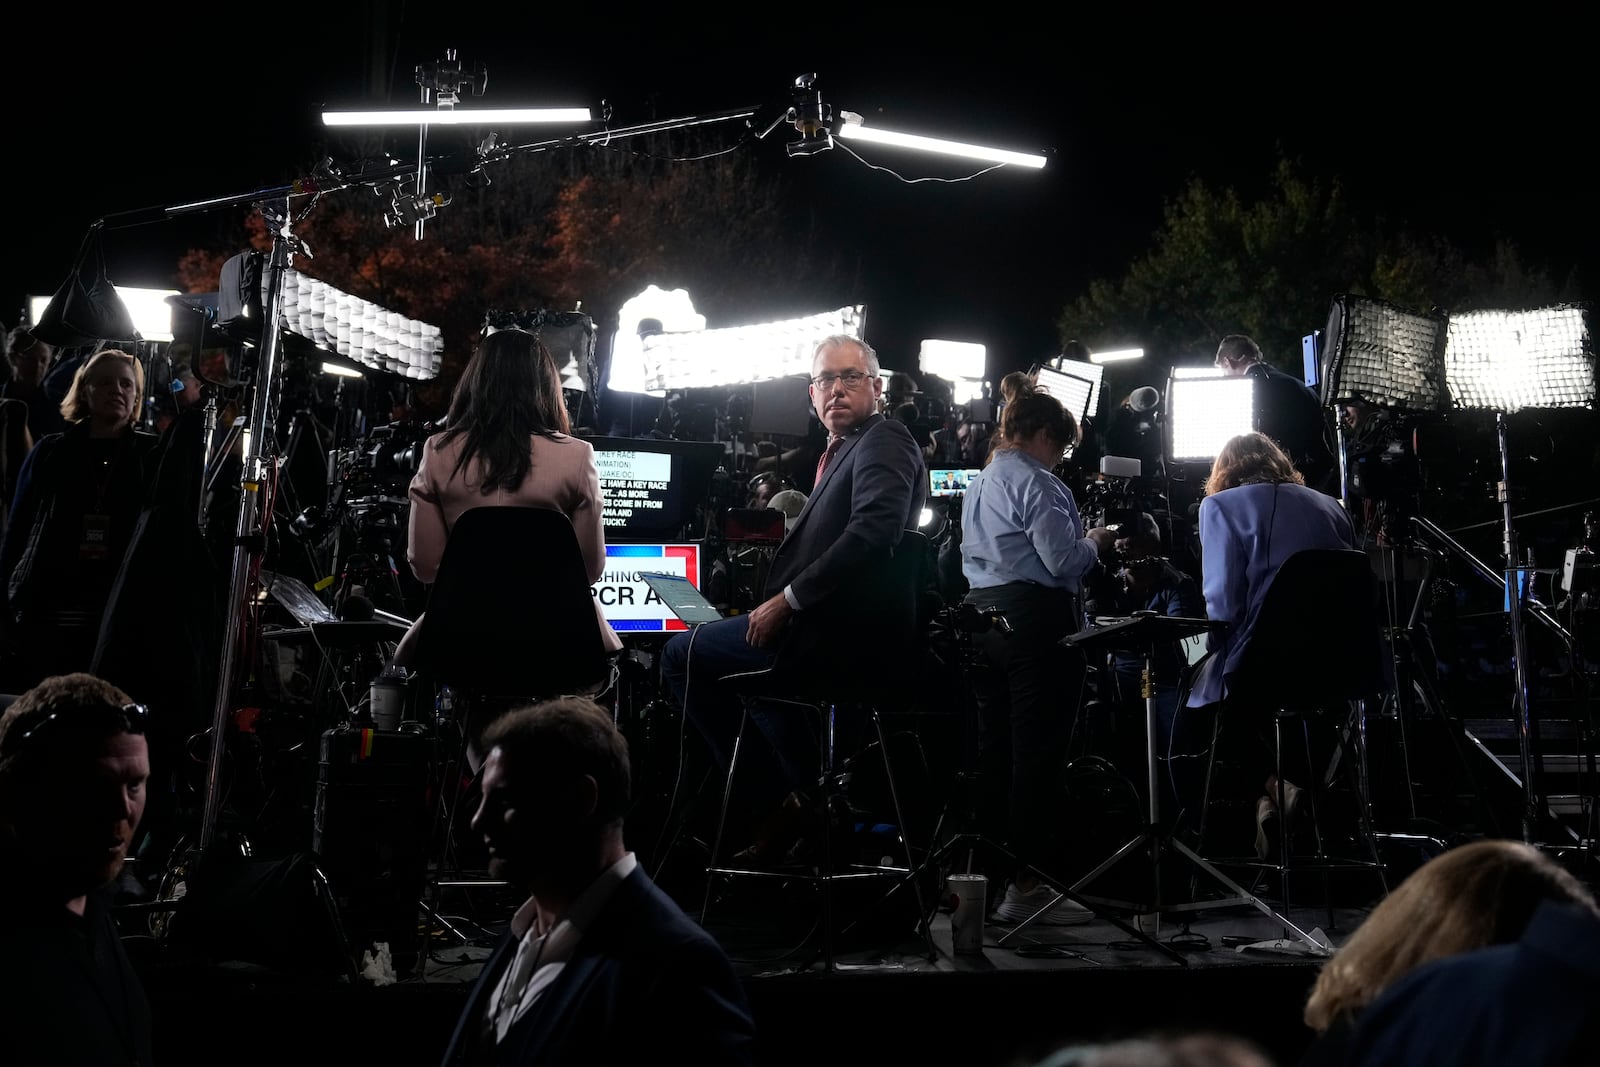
(964, 621)
(259, 472)
(1505, 362)
(1143, 632)
(1522, 701)
(1490, 360)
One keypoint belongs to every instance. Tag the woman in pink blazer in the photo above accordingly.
(508, 445)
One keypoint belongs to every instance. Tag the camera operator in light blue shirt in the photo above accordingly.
(1024, 554)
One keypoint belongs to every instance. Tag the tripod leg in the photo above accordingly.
(722, 816)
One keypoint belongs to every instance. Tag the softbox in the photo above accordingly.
(86, 309)
(1384, 354)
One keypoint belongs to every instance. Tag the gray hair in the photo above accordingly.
(867, 351)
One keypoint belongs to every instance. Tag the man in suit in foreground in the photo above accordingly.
(824, 609)
(599, 965)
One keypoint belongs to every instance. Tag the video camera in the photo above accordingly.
(383, 462)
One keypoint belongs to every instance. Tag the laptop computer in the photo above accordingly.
(681, 598)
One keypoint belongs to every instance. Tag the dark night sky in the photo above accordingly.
(1474, 136)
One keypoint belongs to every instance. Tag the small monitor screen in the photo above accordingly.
(949, 482)
(626, 599)
(649, 489)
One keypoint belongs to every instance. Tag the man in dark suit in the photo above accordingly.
(1287, 410)
(599, 966)
(823, 605)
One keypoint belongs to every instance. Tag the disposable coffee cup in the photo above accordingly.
(968, 897)
(1149, 923)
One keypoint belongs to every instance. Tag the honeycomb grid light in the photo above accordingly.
(1509, 360)
(1384, 354)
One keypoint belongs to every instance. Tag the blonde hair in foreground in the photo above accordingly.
(1475, 895)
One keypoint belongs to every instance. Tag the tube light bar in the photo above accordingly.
(487, 116)
(852, 129)
(1116, 355)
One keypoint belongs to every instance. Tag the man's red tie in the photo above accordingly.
(822, 460)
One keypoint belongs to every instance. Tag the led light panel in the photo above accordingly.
(704, 358)
(1073, 392)
(358, 329)
(1384, 354)
(1090, 372)
(952, 360)
(1205, 412)
(1509, 360)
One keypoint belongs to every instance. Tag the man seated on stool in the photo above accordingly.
(599, 965)
(869, 489)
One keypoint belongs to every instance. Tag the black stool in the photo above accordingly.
(829, 802)
(891, 606)
(1314, 658)
(510, 620)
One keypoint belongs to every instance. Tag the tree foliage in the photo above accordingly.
(1271, 269)
(573, 229)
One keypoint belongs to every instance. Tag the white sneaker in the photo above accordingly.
(1017, 906)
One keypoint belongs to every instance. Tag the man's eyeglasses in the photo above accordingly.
(850, 378)
(132, 718)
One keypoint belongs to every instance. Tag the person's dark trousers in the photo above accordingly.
(1027, 700)
(693, 665)
(1245, 758)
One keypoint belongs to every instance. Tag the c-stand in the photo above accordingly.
(1144, 632)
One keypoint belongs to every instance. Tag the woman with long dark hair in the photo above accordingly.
(507, 443)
